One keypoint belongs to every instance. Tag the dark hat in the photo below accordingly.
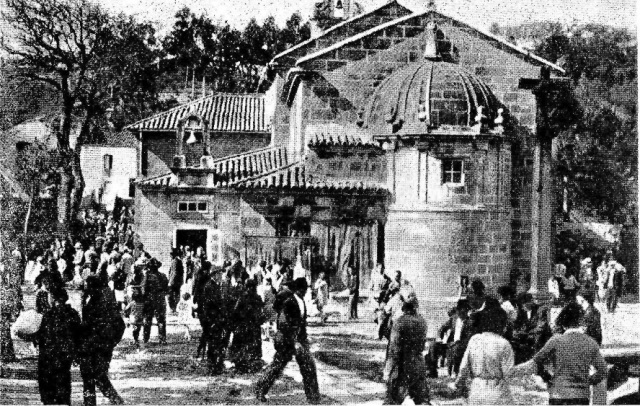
(153, 264)
(299, 283)
(59, 294)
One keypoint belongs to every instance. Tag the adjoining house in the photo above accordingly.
(400, 137)
(109, 169)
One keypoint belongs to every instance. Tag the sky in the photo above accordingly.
(478, 13)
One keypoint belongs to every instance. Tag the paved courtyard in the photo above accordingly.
(348, 355)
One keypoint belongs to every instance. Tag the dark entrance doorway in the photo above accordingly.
(192, 238)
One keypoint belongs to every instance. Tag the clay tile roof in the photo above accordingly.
(225, 113)
(295, 177)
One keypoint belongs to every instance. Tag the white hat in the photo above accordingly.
(586, 261)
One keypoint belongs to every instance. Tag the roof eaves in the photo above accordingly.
(333, 28)
(502, 41)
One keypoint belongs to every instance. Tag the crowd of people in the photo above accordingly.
(485, 341)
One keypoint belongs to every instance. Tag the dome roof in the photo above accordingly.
(449, 94)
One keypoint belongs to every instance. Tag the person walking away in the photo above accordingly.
(405, 370)
(213, 318)
(246, 348)
(291, 339)
(154, 289)
(58, 339)
(487, 361)
(576, 358)
(135, 309)
(101, 330)
(354, 293)
(200, 280)
(176, 278)
(185, 314)
(322, 295)
(592, 326)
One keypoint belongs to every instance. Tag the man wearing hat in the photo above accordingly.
(291, 339)
(102, 329)
(154, 290)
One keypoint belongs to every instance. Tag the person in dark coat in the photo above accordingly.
(200, 280)
(291, 339)
(101, 330)
(405, 370)
(176, 277)
(354, 293)
(58, 340)
(154, 290)
(248, 313)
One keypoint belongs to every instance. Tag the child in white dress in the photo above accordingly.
(185, 316)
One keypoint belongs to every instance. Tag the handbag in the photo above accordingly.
(27, 324)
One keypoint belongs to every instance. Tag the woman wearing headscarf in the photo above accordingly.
(487, 360)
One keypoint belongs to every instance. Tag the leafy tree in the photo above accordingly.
(294, 32)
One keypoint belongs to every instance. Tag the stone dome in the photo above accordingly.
(431, 97)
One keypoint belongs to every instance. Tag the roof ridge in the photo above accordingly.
(398, 20)
(335, 27)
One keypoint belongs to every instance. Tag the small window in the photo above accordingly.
(192, 207)
(107, 163)
(356, 166)
(453, 171)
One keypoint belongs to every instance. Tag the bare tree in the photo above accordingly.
(83, 53)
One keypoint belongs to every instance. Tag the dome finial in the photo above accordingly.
(430, 49)
(431, 5)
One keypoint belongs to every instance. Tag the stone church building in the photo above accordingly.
(397, 137)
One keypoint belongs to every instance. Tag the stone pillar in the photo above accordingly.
(179, 160)
(206, 161)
